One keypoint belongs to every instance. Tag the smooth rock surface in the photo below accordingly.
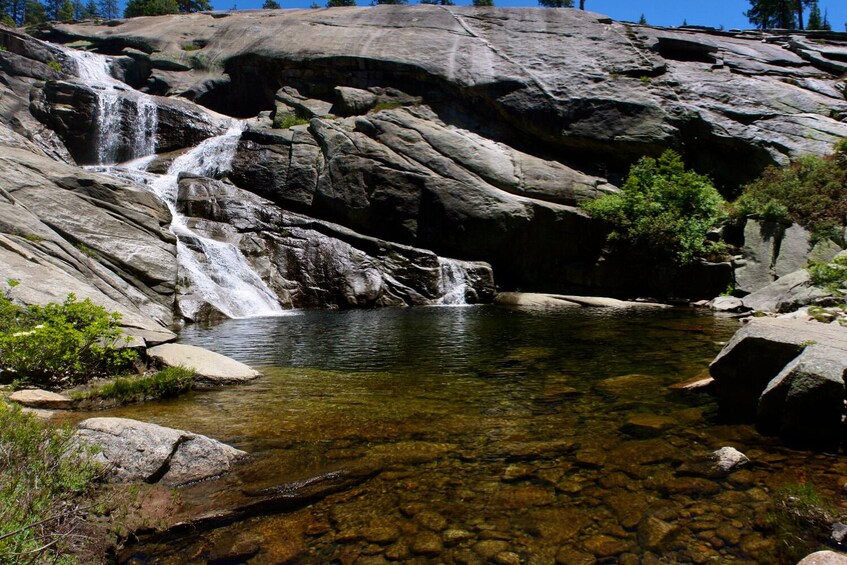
(728, 459)
(139, 451)
(37, 398)
(209, 367)
(825, 557)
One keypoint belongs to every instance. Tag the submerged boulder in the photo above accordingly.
(139, 451)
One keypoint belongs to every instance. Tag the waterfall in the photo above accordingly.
(127, 124)
(127, 120)
(453, 283)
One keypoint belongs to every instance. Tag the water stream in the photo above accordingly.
(547, 435)
(127, 126)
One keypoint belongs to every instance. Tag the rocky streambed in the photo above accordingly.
(472, 435)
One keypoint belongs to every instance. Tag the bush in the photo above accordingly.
(812, 192)
(58, 345)
(830, 275)
(662, 210)
(55, 65)
(290, 121)
(800, 521)
(167, 383)
(43, 477)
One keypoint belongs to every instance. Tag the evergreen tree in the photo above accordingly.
(109, 9)
(684, 23)
(581, 4)
(65, 13)
(34, 13)
(90, 10)
(642, 20)
(483, 3)
(439, 2)
(189, 6)
(376, 2)
(339, 3)
(826, 26)
(787, 14)
(556, 3)
(271, 5)
(815, 20)
(16, 10)
(135, 8)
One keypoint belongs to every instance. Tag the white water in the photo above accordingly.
(453, 283)
(127, 120)
(218, 271)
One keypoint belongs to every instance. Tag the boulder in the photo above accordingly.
(825, 557)
(786, 294)
(209, 367)
(139, 451)
(804, 403)
(771, 250)
(534, 299)
(786, 374)
(37, 398)
(728, 459)
(353, 101)
(726, 304)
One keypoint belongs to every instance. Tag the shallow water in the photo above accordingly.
(502, 435)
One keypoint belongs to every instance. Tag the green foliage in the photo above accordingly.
(43, 476)
(387, 106)
(766, 14)
(85, 250)
(135, 8)
(662, 210)
(290, 121)
(340, 3)
(271, 5)
(645, 80)
(65, 12)
(60, 344)
(830, 275)
(556, 3)
(190, 47)
(35, 13)
(55, 65)
(483, 3)
(642, 20)
(812, 191)
(800, 520)
(167, 383)
(438, 2)
(815, 19)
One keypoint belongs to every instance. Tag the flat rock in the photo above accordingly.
(139, 451)
(785, 294)
(568, 301)
(209, 366)
(37, 398)
(726, 304)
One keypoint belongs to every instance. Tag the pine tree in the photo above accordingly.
(271, 5)
(483, 3)
(786, 14)
(90, 10)
(377, 2)
(826, 26)
(556, 3)
(109, 9)
(684, 23)
(339, 3)
(189, 6)
(35, 13)
(642, 20)
(439, 2)
(65, 12)
(815, 21)
(581, 4)
(135, 8)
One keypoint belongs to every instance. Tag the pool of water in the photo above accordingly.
(498, 435)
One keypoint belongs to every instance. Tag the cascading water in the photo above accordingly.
(127, 120)
(453, 284)
(127, 124)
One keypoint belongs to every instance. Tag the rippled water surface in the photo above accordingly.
(496, 435)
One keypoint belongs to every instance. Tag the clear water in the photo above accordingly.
(547, 435)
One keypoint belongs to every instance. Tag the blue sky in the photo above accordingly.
(729, 13)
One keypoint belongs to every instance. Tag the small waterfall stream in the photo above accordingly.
(127, 124)
(453, 284)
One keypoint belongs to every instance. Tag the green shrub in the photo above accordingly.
(800, 521)
(662, 210)
(43, 479)
(811, 191)
(167, 383)
(60, 344)
(190, 47)
(830, 275)
(290, 121)
(55, 65)
(387, 106)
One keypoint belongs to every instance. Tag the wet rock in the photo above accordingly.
(570, 556)
(655, 534)
(728, 459)
(647, 425)
(514, 497)
(209, 367)
(454, 536)
(626, 385)
(532, 450)
(603, 546)
(398, 551)
(643, 452)
(824, 558)
(590, 457)
(691, 486)
(729, 534)
(696, 384)
(381, 533)
(558, 525)
(431, 520)
(507, 558)
(488, 549)
(37, 398)
(138, 451)
(629, 507)
(425, 543)
(517, 473)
